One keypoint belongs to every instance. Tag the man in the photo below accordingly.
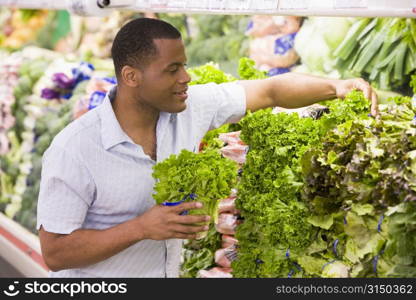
(96, 215)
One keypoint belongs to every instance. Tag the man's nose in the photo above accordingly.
(185, 77)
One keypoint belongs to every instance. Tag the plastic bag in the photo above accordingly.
(227, 205)
(262, 25)
(227, 223)
(314, 111)
(225, 256)
(274, 51)
(231, 138)
(236, 152)
(215, 272)
(228, 240)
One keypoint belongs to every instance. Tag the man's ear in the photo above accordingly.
(131, 77)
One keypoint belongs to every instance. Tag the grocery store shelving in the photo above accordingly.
(353, 8)
(21, 249)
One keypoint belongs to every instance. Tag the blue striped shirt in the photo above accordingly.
(95, 177)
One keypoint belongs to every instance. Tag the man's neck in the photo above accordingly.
(134, 116)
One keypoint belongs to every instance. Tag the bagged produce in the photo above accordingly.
(272, 42)
(231, 138)
(236, 152)
(227, 205)
(227, 223)
(225, 256)
(262, 25)
(274, 51)
(228, 240)
(215, 272)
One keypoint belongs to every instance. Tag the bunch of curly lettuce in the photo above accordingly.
(361, 189)
(205, 177)
(277, 234)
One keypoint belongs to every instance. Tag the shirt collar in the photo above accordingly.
(111, 132)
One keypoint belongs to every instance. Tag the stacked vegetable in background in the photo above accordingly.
(50, 92)
(382, 50)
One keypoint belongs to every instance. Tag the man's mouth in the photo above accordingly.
(182, 94)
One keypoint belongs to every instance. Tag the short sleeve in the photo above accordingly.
(218, 104)
(231, 104)
(66, 192)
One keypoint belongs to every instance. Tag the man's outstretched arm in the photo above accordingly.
(292, 90)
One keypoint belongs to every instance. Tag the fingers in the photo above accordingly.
(374, 104)
(186, 206)
(187, 229)
(193, 219)
(188, 232)
(365, 87)
(369, 93)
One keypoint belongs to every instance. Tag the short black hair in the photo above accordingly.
(133, 44)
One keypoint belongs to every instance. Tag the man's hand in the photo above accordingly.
(165, 222)
(343, 87)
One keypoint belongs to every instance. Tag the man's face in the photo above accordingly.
(164, 79)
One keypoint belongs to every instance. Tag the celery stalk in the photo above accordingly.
(410, 64)
(399, 61)
(350, 42)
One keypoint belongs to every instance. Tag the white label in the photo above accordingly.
(217, 4)
(238, 4)
(34, 4)
(142, 4)
(159, 3)
(176, 4)
(294, 4)
(350, 3)
(264, 5)
(270, 4)
(197, 4)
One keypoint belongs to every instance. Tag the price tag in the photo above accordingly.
(217, 4)
(142, 4)
(350, 3)
(270, 4)
(197, 4)
(159, 3)
(238, 4)
(294, 4)
(176, 4)
(264, 5)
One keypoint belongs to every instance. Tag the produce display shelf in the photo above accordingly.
(21, 249)
(345, 8)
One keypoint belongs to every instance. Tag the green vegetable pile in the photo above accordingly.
(276, 228)
(361, 188)
(333, 197)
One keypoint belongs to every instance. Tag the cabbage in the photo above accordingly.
(318, 38)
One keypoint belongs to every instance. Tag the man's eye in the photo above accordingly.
(173, 70)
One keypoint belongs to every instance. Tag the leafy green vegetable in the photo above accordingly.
(206, 177)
